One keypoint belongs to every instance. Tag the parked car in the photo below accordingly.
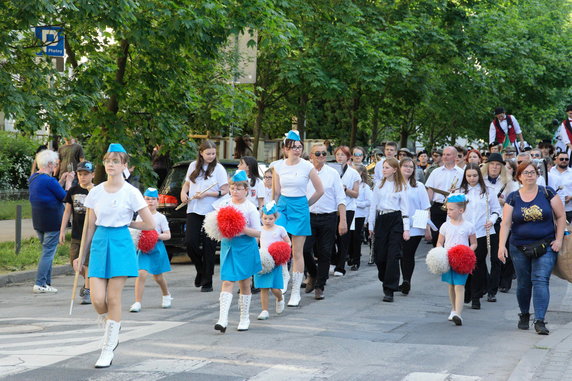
(169, 199)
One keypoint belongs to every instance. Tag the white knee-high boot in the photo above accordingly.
(110, 342)
(244, 313)
(225, 300)
(285, 278)
(295, 294)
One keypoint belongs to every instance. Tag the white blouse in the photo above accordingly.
(418, 200)
(363, 202)
(255, 192)
(385, 199)
(476, 211)
(293, 178)
(349, 179)
(204, 205)
(456, 234)
(115, 209)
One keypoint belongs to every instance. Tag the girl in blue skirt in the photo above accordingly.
(290, 180)
(274, 279)
(155, 262)
(239, 256)
(456, 231)
(111, 206)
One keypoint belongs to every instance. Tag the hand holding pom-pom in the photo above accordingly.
(231, 222)
(462, 259)
(267, 261)
(210, 225)
(437, 261)
(280, 251)
(147, 240)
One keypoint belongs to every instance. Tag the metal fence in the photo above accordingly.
(13, 194)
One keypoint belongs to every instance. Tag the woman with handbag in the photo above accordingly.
(536, 220)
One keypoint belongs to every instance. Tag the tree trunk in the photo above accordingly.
(403, 137)
(355, 109)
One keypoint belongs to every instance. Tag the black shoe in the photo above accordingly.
(467, 299)
(476, 304)
(207, 288)
(491, 298)
(198, 280)
(504, 290)
(523, 321)
(540, 327)
(405, 287)
(388, 298)
(354, 268)
(254, 290)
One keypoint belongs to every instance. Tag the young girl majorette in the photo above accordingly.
(202, 174)
(290, 180)
(239, 256)
(273, 280)
(389, 225)
(456, 231)
(418, 200)
(112, 253)
(363, 203)
(155, 262)
(256, 191)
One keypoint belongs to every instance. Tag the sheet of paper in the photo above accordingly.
(420, 219)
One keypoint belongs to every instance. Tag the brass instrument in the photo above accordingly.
(451, 190)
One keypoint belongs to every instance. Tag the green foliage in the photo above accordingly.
(16, 157)
(30, 252)
(8, 209)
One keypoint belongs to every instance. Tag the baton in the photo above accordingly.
(195, 196)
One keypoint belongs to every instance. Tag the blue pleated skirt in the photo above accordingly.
(112, 253)
(294, 215)
(454, 278)
(156, 261)
(273, 279)
(239, 258)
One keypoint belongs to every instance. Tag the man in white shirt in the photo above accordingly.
(323, 218)
(445, 178)
(566, 130)
(390, 151)
(505, 129)
(563, 173)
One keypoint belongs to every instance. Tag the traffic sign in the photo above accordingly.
(53, 40)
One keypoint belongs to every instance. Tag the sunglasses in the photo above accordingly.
(564, 159)
(535, 155)
(358, 154)
(322, 153)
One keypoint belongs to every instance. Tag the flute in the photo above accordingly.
(487, 220)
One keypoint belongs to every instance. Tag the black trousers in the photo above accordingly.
(476, 285)
(340, 256)
(356, 238)
(408, 257)
(319, 245)
(501, 273)
(202, 257)
(387, 246)
(438, 217)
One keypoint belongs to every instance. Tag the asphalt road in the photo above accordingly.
(351, 335)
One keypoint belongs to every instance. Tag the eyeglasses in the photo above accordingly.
(322, 153)
(529, 173)
(111, 161)
(296, 148)
(535, 155)
(267, 177)
(460, 156)
(564, 159)
(358, 154)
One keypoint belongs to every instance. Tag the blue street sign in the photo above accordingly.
(53, 39)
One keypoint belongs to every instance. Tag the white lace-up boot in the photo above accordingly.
(110, 342)
(244, 313)
(224, 306)
(295, 294)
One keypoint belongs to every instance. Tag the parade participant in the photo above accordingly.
(482, 211)
(290, 179)
(535, 240)
(350, 181)
(456, 231)
(75, 207)
(437, 157)
(390, 150)
(546, 148)
(403, 153)
(563, 173)
(388, 225)
(273, 280)
(474, 156)
(112, 252)
(505, 129)
(156, 261)
(566, 130)
(363, 203)
(256, 187)
(495, 147)
(46, 196)
(239, 256)
(421, 166)
(460, 159)
(443, 179)
(205, 181)
(418, 200)
(323, 222)
(268, 186)
(358, 154)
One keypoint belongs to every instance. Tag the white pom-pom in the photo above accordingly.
(437, 261)
(210, 225)
(135, 233)
(267, 261)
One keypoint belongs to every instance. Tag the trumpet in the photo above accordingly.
(451, 190)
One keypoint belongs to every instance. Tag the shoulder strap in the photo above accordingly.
(344, 169)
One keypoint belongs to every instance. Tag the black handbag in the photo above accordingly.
(534, 250)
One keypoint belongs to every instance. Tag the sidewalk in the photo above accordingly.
(8, 230)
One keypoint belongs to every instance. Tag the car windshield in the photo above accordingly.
(174, 180)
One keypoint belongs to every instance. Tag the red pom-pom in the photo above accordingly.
(147, 240)
(280, 251)
(231, 222)
(462, 259)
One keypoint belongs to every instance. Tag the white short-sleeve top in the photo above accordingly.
(294, 178)
(255, 192)
(161, 223)
(115, 209)
(269, 236)
(249, 211)
(349, 179)
(456, 234)
(219, 177)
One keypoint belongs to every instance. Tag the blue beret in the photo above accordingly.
(269, 208)
(116, 147)
(151, 192)
(457, 197)
(293, 135)
(239, 176)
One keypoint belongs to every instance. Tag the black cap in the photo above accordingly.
(85, 166)
(493, 144)
(568, 108)
(499, 110)
(495, 157)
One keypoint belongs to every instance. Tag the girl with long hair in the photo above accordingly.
(363, 203)
(256, 191)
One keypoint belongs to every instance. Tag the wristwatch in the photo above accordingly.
(219, 193)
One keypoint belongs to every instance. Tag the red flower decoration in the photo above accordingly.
(147, 240)
(280, 251)
(231, 222)
(462, 259)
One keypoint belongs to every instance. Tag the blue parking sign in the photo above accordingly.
(53, 39)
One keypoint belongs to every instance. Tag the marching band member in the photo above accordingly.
(363, 203)
(256, 192)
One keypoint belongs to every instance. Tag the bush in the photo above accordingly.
(16, 157)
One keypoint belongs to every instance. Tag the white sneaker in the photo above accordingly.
(338, 274)
(263, 315)
(280, 306)
(44, 289)
(332, 268)
(135, 307)
(450, 318)
(166, 303)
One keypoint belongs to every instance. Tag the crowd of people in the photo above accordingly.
(509, 204)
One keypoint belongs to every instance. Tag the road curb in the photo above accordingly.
(30, 275)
